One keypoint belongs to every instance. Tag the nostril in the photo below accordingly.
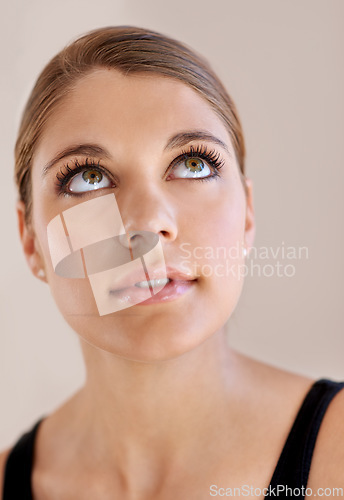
(125, 240)
(135, 239)
(139, 242)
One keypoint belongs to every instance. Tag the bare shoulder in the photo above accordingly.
(279, 385)
(328, 459)
(3, 457)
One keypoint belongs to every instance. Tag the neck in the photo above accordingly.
(157, 413)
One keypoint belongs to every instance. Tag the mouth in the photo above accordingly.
(157, 278)
(155, 290)
(160, 282)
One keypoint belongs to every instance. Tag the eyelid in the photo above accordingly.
(212, 157)
(66, 174)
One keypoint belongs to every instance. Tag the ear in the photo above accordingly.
(29, 244)
(250, 227)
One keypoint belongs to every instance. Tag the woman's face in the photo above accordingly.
(140, 125)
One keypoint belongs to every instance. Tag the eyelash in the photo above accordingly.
(67, 172)
(212, 157)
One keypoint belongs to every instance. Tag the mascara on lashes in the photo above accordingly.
(66, 173)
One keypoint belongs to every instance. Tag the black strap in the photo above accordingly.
(17, 479)
(293, 466)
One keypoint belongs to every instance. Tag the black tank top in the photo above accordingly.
(292, 468)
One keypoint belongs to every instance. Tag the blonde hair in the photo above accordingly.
(129, 50)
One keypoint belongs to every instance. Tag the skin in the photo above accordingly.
(188, 411)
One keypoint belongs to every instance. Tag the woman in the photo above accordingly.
(120, 133)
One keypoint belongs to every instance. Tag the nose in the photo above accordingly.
(145, 210)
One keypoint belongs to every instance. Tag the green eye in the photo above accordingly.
(88, 180)
(92, 176)
(191, 168)
(194, 164)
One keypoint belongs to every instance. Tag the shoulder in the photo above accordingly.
(3, 458)
(327, 464)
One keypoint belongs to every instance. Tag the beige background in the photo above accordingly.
(282, 62)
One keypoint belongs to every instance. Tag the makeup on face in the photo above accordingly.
(173, 177)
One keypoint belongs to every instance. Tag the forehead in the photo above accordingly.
(109, 107)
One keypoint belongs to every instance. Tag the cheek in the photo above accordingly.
(73, 296)
(217, 227)
(215, 251)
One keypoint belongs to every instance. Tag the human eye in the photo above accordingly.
(197, 163)
(81, 178)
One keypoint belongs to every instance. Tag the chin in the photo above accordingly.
(153, 340)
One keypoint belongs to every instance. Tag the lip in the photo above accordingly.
(170, 272)
(134, 295)
(171, 291)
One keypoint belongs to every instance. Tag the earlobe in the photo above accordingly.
(28, 241)
(250, 227)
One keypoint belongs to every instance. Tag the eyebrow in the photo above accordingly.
(184, 138)
(177, 140)
(78, 149)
